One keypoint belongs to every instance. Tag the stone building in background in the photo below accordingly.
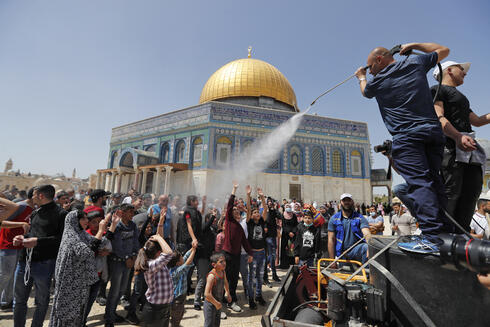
(185, 151)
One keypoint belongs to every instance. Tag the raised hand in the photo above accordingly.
(259, 192)
(248, 189)
(235, 185)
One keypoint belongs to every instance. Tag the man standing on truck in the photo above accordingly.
(405, 103)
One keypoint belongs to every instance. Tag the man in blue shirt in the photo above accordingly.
(345, 228)
(405, 102)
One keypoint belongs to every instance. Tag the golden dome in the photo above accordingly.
(248, 77)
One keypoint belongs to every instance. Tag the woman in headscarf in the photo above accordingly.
(75, 270)
(289, 225)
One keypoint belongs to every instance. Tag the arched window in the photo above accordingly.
(223, 151)
(246, 145)
(113, 158)
(356, 163)
(180, 152)
(197, 151)
(295, 159)
(165, 153)
(150, 148)
(127, 160)
(317, 161)
(337, 163)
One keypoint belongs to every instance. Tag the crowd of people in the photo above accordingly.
(141, 251)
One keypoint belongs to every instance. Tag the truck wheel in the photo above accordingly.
(310, 316)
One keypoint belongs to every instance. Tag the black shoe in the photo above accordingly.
(132, 318)
(108, 324)
(197, 306)
(119, 319)
(101, 300)
(251, 304)
(260, 300)
(276, 278)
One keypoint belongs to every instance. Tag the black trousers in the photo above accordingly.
(463, 185)
(232, 272)
(156, 315)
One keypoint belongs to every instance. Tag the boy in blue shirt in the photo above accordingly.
(179, 267)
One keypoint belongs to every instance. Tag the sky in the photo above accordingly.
(72, 70)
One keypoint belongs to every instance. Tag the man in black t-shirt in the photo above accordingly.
(463, 158)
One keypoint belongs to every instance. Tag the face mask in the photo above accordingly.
(289, 210)
(307, 225)
(372, 214)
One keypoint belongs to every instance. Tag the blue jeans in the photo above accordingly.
(40, 276)
(138, 295)
(118, 276)
(418, 158)
(256, 271)
(359, 253)
(8, 261)
(244, 273)
(271, 253)
(203, 268)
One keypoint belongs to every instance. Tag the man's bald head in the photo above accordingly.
(378, 59)
(163, 200)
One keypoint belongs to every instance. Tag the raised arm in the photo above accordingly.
(264, 204)
(161, 222)
(231, 201)
(479, 121)
(7, 208)
(248, 189)
(442, 51)
(203, 207)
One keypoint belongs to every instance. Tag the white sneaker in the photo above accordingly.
(223, 315)
(233, 306)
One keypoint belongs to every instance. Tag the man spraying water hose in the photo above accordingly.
(404, 99)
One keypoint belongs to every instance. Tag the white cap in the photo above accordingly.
(485, 196)
(345, 195)
(396, 200)
(446, 64)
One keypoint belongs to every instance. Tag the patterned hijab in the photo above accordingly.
(75, 272)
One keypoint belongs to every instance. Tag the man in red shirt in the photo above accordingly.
(16, 224)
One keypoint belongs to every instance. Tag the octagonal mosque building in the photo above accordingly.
(185, 151)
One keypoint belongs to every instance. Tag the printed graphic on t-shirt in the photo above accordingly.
(127, 235)
(308, 238)
(257, 233)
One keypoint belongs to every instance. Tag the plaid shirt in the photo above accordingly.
(160, 285)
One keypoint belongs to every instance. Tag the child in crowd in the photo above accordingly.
(152, 261)
(216, 282)
(220, 238)
(179, 267)
(307, 243)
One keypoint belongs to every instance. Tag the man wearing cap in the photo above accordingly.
(345, 228)
(99, 199)
(405, 103)
(402, 223)
(463, 158)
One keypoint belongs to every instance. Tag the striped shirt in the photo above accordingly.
(160, 285)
